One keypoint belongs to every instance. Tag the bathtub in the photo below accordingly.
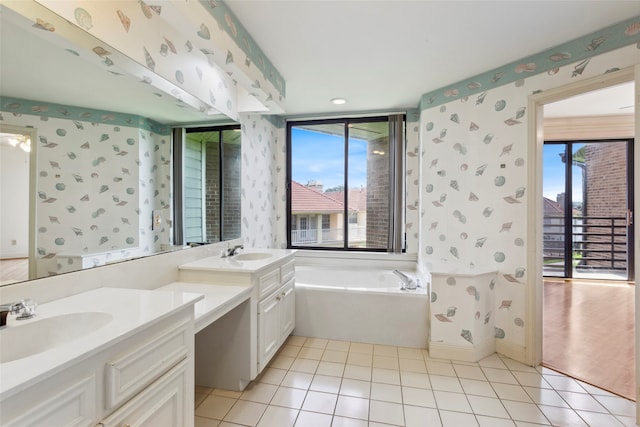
(362, 305)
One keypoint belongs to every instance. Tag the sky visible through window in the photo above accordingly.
(553, 171)
(319, 157)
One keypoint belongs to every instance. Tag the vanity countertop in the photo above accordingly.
(233, 264)
(218, 300)
(131, 310)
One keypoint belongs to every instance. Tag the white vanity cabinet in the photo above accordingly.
(148, 384)
(161, 404)
(255, 332)
(143, 377)
(69, 400)
(276, 314)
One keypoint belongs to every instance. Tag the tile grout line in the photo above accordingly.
(512, 370)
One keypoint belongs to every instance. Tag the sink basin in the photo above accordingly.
(252, 256)
(23, 340)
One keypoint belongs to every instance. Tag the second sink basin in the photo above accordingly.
(253, 256)
(18, 341)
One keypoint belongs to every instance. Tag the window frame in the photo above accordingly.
(179, 140)
(397, 147)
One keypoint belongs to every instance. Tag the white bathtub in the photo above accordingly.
(363, 305)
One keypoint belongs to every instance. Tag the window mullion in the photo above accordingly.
(346, 187)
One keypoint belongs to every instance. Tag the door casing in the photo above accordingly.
(534, 305)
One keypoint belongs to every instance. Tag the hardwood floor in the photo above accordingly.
(14, 270)
(589, 332)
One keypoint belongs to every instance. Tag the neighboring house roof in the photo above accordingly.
(308, 200)
(357, 198)
(552, 208)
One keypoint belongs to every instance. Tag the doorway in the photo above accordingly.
(587, 247)
(588, 198)
(16, 216)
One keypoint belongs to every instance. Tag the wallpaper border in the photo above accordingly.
(579, 50)
(232, 26)
(70, 112)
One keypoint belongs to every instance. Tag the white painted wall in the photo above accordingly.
(14, 202)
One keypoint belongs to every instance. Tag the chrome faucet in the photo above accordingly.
(232, 251)
(24, 309)
(407, 282)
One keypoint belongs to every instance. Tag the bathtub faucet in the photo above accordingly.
(407, 282)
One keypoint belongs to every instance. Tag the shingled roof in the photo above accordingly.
(308, 200)
(357, 198)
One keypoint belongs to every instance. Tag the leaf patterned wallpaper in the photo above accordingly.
(412, 181)
(474, 187)
(97, 185)
(182, 43)
(263, 178)
(463, 319)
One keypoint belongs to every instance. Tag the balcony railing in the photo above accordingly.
(327, 236)
(599, 242)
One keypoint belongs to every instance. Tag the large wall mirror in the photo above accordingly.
(97, 184)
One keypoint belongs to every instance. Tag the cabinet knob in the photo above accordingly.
(278, 298)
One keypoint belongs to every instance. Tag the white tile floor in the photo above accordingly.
(321, 383)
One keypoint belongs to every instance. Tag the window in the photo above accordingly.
(348, 172)
(326, 222)
(209, 171)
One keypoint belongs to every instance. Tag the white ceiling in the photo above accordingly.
(611, 101)
(379, 55)
(383, 55)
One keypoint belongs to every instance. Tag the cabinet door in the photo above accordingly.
(268, 328)
(71, 406)
(163, 403)
(287, 309)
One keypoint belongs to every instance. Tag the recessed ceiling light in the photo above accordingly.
(338, 101)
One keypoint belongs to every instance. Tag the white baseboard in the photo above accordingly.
(511, 350)
(13, 255)
(439, 350)
(473, 353)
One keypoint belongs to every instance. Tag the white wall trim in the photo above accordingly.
(589, 128)
(439, 350)
(636, 154)
(511, 350)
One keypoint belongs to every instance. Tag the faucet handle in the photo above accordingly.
(25, 309)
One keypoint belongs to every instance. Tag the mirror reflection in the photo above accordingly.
(211, 184)
(97, 185)
(15, 147)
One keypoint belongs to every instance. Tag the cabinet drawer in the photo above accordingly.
(161, 404)
(71, 406)
(269, 281)
(134, 370)
(287, 271)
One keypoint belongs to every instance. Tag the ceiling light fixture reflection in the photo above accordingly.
(26, 145)
(338, 101)
(22, 141)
